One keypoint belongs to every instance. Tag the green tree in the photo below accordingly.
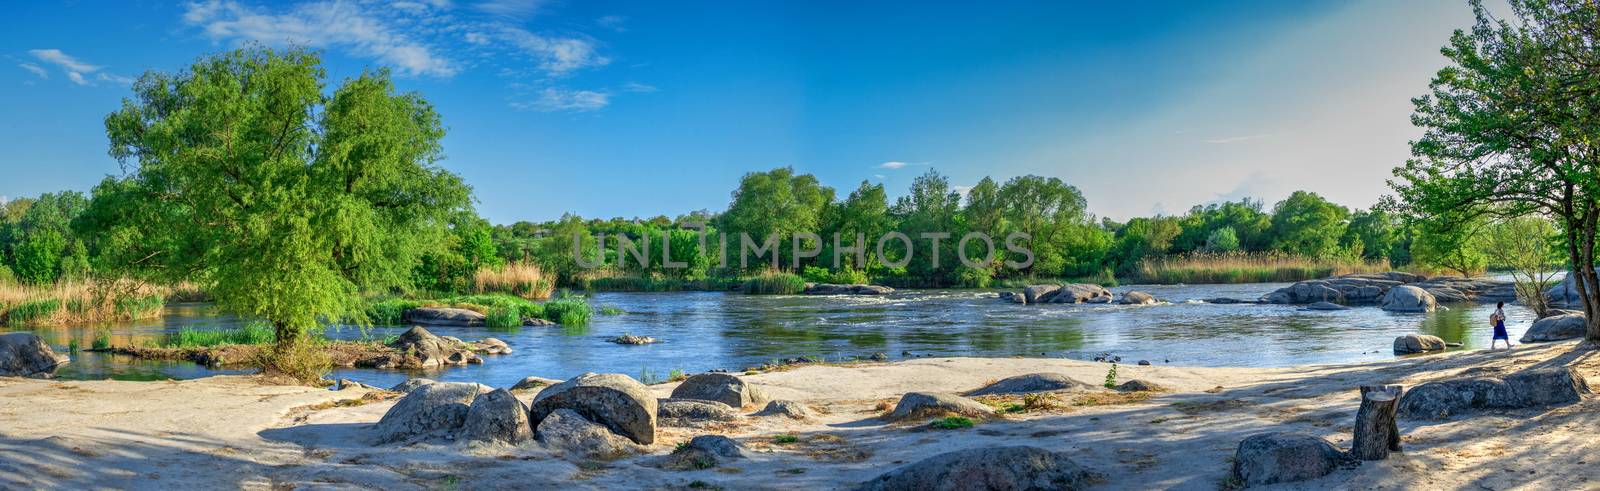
(1376, 232)
(931, 207)
(1222, 240)
(43, 236)
(1528, 246)
(282, 199)
(1509, 129)
(1308, 225)
(1453, 246)
(775, 203)
(864, 212)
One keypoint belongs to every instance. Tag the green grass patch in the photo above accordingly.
(774, 284)
(568, 311)
(951, 423)
(253, 333)
(785, 439)
(32, 310)
(139, 307)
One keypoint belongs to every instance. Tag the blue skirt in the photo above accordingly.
(1500, 331)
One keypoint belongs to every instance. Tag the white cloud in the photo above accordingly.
(1236, 139)
(36, 69)
(553, 99)
(116, 79)
(555, 55)
(638, 87)
(891, 165)
(510, 8)
(330, 24)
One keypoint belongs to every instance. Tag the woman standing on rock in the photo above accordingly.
(1498, 320)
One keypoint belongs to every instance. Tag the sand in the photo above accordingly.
(239, 432)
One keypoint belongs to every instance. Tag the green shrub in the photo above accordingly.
(503, 315)
(389, 311)
(138, 307)
(775, 284)
(102, 340)
(252, 333)
(567, 311)
(32, 310)
(952, 423)
(785, 439)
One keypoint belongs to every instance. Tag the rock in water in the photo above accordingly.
(615, 401)
(1039, 293)
(23, 354)
(1081, 293)
(568, 431)
(720, 387)
(993, 468)
(1033, 382)
(433, 351)
(1326, 306)
(1013, 297)
(789, 409)
(836, 289)
(1137, 298)
(1417, 343)
(429, 410)
(690, 412)
(1557, 328)
(1271, 458)
(1524, 389)
(633, 340)
(497, 417)
(443, 316)
(1407, 298)
(916, 405)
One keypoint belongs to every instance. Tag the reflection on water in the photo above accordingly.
(709, 330)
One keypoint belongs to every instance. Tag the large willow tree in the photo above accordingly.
(1512, 128)
(284, 200)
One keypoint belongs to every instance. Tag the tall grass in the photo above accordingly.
(774, 283)
(71, 302)
(499, 310)
(646, 283)
(1248, 268)
(253, 333)
(522, 279)
(568, 311)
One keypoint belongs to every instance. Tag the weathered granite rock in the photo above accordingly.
(410, 384)
(788, 409)
(570, 432)
(1557, 328)
(1271, 458)
(1417, 343)
(1013, 297)
(23, 354)
(1137, 298)
(835, 289)
(1367, 289)
(443, 316)
(1326, 306)
(692, 412)
(1080, 293)
(615, 401)
(497, 417)
(1407, 298)
(435, 409)
(916, 405)
(491, 346)
(702, 452)
(1525, 389)
(987, 468)
(535, 321)
(720, 387)
(1032, 382)
(630, 339)
(534, 383)
(432, 351)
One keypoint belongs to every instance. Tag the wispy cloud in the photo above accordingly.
(331, 24)
(510, 8)
(556, 55)
(899, 165)
(553, 99)
(638, 87)
(612, 22)
(1236, 139)
(36, 69)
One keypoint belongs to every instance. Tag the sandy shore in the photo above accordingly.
(233, 431)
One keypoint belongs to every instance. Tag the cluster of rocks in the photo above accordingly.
(633, 340)
(23, 354)
(1394, 291)
(419, 349)
(456, 317)
(836, 289)
(1074, 293)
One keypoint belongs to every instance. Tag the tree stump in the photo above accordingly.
(1376, 431)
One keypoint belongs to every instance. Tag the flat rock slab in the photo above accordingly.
(992, 468)
(443, 316)
(1525, 389)
(1557, 328)
(1271, 458)
(1032, 382)
(915, 405)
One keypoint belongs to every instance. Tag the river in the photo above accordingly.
(700, 331)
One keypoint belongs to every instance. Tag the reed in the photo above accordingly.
(522, 279)
(1248, 268)
(75, 302)
(253, 333)
(774, 283)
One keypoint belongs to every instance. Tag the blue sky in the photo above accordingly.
(642, 108)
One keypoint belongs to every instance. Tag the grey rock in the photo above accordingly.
(702, 452)
(535, 321)
(1144, 363)
(1417, 343)
(1137, 298)
(347, 384)
(987, 468)
(497, 417)
(788, 409)
(879, 356)
(1137, 385)
(433, 351)
(692, 412)
(492, 346)
(443, 316)
(1272, 458)
(534, 383)
(1326, 306)
(1557, 328)
(1039, 293)
(23, 354)
(1032, 382)
(1407, 298)
(630, 339)
(411, 384)
(1525, 389)
(720, 387)
(835, 289)
(1013, 297)
(917, 405)
(434, 409)
(570, 432)
(615, 401)
(1081, 293)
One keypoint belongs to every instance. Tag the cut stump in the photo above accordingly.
(1376, 431)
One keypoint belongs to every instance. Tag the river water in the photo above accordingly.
(700, 331)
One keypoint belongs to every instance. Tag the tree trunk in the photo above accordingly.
(1376, 431)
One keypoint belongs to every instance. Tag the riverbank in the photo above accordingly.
(237, 431)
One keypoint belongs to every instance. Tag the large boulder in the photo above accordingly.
(702, 452)
(23, 354)
(443, 316)
(917, 405)
(1137, 298)
(1326, 306)
(787, 409)
(570, 432)
(497, 417)
(1525, 389)
(411, 384)
(692, 412)
(1033, 382)
(1039, 293)
(1557, 328)
(434, 409)
(1271, 458)
(987, 468)
(1013, 297)
(836, 289)
(615, 401)
(720, 387)
(533, 383)
(1417, 343)
(1565, 293)
(1407, 298)
(426, 350)
(1081, 293)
